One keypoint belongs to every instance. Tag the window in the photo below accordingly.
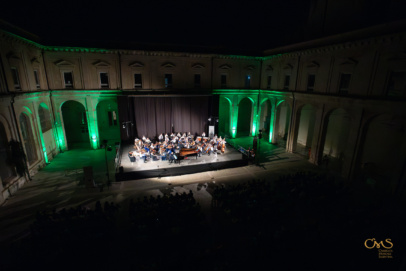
(104, 80)
(44, 119)
(344, 83)
(16, 78)
(68, 79)
(223, 81)
(36, 79)
(397, 84)
(112, 118)
(268, 82)
(197, 81)
(168, 80)
(286, 82)
(137, 80)
(311, 78)
(247, 81)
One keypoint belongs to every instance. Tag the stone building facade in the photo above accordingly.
(339, 96)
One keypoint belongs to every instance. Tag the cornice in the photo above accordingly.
(386, 39)
(274, 53)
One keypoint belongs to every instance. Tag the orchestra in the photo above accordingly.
(177, 145)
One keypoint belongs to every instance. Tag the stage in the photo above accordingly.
(140, 170)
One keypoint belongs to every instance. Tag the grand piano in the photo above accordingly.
(185, 152)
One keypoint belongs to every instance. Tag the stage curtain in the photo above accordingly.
(126, 117)
(145, 117)
(199, 114)
(157, 115)
(163, 113)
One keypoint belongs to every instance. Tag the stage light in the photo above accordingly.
(209, 119)
(123, 126)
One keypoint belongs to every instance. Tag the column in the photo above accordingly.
(293, 130)
(92, 122)
(234, 117)
(318, 141)
(255, 115)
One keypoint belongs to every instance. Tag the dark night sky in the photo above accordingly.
(225, 26)
(240, 25)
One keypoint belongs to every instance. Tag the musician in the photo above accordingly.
(178, 135)
(203, 134)
(171, 153)
(160, 138)
(131, 156)
(144, 138)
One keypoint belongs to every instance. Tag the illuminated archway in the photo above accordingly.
(224, 116)
(75, 124)
(107, 120)
(244, 123)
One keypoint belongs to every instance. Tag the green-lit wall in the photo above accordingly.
(108, 129)
(224, 117)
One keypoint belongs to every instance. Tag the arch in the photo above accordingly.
(241, 98)
(336, 129)
(224, 116)
(6, 170)
(107, 120)
(282, 122)
(44, 105)
(7, 127)
(27, 136)
(72, 100)
(245, 116)
(304, 128)
(28, 110)
(380, 151)
(75, 124)
(264, 100)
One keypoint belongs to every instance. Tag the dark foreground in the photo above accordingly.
(298, 222)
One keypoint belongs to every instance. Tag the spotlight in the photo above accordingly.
(209, 119)
(123, 126)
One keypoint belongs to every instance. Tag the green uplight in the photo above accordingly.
(94, 142)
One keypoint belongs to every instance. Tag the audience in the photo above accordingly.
(298, 218)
